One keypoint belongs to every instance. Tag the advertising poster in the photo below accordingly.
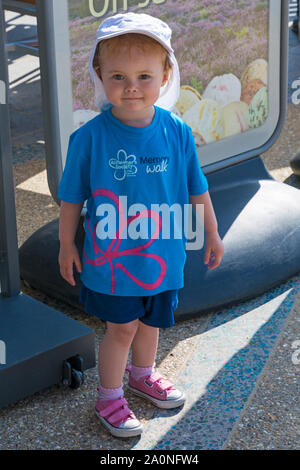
(222, 49)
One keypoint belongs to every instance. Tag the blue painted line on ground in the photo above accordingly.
(221, 373)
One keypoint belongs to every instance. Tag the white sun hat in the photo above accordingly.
(143, 24)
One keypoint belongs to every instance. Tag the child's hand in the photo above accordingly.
(68, 255)
(214, 250)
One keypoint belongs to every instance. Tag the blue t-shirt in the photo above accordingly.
(131, 177)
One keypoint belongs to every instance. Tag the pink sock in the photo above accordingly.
(138, 372)
(105, 394)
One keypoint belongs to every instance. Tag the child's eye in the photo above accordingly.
(118, 76)
(144, 76)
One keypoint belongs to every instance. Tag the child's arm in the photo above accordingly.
(68, 253)
(214, 247)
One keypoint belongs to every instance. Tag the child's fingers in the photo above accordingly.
(70, 276)
(207, 255)
(67, 258)
(214, 262)
(215, 259)
(78, 263)
(67, 273)
(214, 251)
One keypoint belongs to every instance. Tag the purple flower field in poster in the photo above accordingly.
(214, 42)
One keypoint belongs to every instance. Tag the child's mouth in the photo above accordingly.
(132, 99)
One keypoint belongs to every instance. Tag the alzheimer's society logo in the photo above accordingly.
(124, 165)
(2, 352)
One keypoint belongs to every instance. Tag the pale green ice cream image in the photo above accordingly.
(258, 109)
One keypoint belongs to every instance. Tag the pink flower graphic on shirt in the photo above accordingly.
(113, 252)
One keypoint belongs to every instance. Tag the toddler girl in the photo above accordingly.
(135, 153)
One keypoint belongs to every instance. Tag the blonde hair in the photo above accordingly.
(109, 46)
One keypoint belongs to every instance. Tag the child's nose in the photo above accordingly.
(131, 85)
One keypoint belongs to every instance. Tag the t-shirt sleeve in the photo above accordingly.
(74, 185)
(197, 182)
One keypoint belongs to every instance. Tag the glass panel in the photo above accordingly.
(229, 74)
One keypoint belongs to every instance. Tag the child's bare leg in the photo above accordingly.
(156, 389)
(144, 345)
(113, 352)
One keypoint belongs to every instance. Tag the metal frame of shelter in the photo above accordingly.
(40, 346)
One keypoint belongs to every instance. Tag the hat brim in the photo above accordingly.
(137, 31)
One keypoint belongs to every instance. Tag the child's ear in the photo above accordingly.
(165, 79)
(98, 72)
(166, 76)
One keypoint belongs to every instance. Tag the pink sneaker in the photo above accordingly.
(118, 418)
(158, 390)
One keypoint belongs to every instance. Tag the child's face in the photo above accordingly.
(132, 79)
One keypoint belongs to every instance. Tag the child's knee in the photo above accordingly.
(123, 332)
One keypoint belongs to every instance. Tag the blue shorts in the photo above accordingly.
(154, 310)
